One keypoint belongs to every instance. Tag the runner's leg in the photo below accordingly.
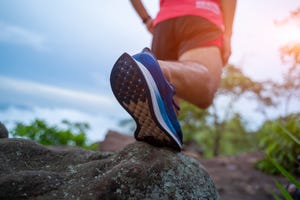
(196, 76)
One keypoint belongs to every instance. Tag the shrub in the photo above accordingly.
(277, 139)
(38, 130)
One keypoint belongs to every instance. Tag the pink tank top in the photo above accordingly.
(209, 9)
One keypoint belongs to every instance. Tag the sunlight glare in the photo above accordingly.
(289, 34)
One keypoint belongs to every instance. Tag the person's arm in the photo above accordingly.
(142, 12)
(228, 9)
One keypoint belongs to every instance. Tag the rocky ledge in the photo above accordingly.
(139, 171)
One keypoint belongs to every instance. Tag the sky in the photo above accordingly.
(56, 55)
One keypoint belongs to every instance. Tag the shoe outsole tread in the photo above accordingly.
(131, 90)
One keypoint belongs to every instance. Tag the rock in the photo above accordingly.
(139, 171)
(115, 141)
(3, 131)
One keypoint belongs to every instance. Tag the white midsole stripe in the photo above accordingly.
(152, 84)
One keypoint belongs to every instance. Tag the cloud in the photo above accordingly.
(19, 35)
(27, 100)
(27, 93)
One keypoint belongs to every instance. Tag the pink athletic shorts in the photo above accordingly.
(173, 37)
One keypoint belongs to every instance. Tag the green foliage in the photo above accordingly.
(236, 84)
(38, 130)
(227, 135)
(198, 125)
(193, 121)
(236, 139)
(278, 138)
(276, 197)
(283, 191)
(289, 176)
(287, 127)
(284, 172)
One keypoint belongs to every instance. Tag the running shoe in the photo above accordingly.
(141, 88)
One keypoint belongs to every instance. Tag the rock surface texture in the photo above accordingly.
(139, 171)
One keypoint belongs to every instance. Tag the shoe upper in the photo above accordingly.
(166, 90)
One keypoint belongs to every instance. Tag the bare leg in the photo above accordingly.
(196, 76)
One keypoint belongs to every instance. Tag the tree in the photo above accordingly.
(38, 130)
(235, 85)
(277, 136)
(290, 53)
(217, 124)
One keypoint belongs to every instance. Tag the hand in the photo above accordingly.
(226, 51)
(149, 25)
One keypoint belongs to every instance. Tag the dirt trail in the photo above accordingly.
(237, 178)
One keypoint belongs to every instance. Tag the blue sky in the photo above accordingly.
(56, 55)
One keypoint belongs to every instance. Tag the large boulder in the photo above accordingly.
(139, 171)
(115, 141)
(3, 131)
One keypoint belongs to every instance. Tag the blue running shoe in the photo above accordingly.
(141, 88)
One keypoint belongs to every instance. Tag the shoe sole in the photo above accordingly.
(130, 82)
